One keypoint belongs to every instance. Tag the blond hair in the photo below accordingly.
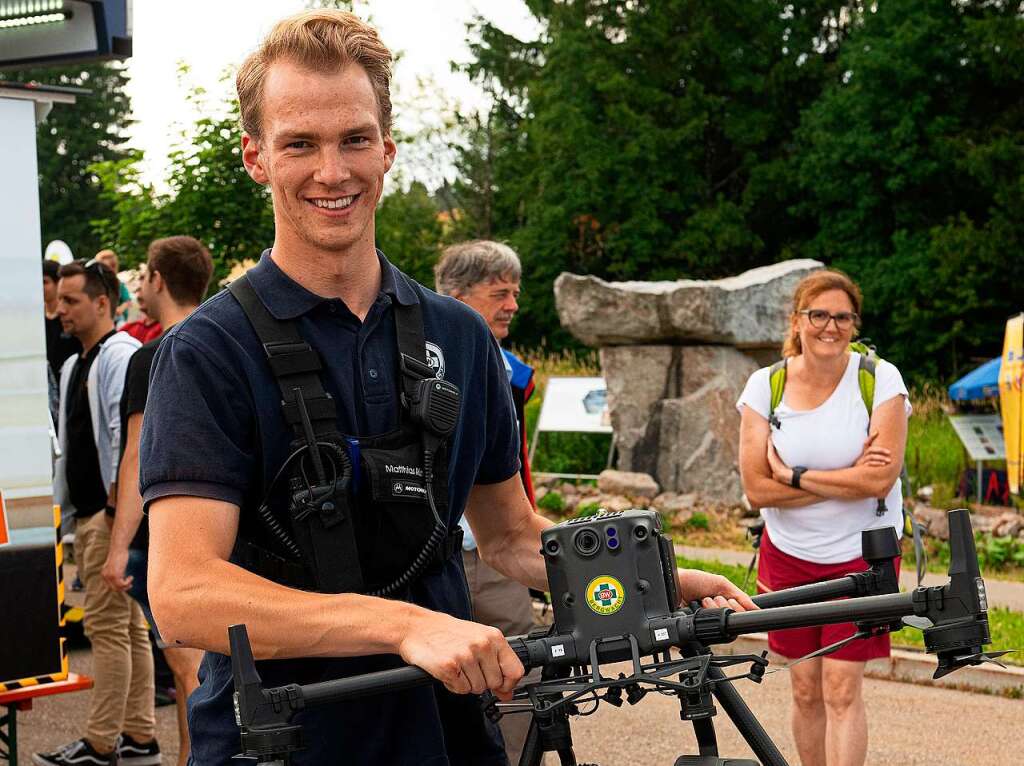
(809, 288)
(322, 40)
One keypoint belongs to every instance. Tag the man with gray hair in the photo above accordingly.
(485, 275)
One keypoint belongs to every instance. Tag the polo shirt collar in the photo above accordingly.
(287, 299)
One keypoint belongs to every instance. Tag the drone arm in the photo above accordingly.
(867, 609)
(842, 587)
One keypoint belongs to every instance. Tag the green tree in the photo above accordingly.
(73, 138)
(409, 231)
(212, 196)
(209, 194)
(911, 166)
(650, 139)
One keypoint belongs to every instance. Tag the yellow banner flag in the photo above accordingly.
(1011, 380)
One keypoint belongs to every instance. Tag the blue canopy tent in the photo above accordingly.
(981, 383)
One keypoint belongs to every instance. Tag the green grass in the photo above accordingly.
(935, 457)
(733, 572)
(1007, 627)
(1001, 557)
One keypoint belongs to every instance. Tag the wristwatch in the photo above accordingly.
(797, 473)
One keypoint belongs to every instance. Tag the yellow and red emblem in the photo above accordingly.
(605, 595)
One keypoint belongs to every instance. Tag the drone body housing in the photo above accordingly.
(612, 572)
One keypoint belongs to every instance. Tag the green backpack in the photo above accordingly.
(866, 383)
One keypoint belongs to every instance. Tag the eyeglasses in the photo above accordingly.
(820, 318)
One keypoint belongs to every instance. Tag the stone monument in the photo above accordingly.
(675, 356)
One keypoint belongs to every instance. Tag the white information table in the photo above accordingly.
(574, 405)
(982, 437)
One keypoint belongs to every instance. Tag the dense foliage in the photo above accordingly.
(659, 140)
(691, 139)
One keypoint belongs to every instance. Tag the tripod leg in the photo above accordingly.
(747, 724)
(734, 706)
(532, 752)
(707, 740)
(566, 757)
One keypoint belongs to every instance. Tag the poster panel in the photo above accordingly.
(576, 405)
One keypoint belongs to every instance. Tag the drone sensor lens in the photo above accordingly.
(586, 542)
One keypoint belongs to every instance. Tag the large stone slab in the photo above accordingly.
(750, 310)
(674, 415)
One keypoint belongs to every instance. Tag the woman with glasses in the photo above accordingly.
(822, 468)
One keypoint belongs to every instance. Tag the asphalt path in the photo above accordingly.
(909, 725)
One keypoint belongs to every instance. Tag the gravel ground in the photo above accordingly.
(910, 726)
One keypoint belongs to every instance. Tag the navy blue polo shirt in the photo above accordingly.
(214, 429)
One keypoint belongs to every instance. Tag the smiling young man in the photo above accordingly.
(306, 349)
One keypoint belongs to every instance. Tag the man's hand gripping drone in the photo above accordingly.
(613, 586)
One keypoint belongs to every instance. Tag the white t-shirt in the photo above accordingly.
(828, 437)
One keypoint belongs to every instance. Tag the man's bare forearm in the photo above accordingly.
(518, 554)
(196, 608)
(128, 517)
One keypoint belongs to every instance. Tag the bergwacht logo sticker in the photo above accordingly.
(605, 595)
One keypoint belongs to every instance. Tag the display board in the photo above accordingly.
(981, 435)
(575, 405)
(1011, 381)
(25, 445)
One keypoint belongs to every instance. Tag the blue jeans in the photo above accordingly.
(138, 562)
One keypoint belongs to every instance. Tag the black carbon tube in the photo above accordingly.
(888, 607)
(746, 722)
(381, 682)
(808, 594)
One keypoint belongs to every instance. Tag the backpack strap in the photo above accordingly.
(866, 382)
(777, 382)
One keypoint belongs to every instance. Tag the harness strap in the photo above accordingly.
(295, 364)
(412, 347)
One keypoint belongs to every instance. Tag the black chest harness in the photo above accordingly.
(351, 514)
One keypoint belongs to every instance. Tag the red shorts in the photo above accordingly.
(777, 570)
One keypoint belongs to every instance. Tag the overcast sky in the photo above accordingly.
(213, 35)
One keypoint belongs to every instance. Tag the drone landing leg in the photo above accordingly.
(548, 736)
(746, 722)
(549, 732)
(707, 740)
(742, 717)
